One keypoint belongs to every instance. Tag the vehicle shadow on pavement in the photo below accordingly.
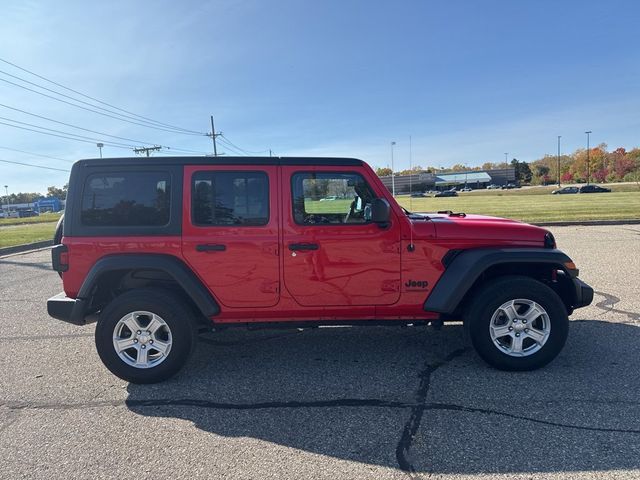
(414, 399)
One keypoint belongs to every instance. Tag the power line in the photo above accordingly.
(186, 150)
(132, 118)
(248, 152)
(92, 131)
(74, 126)
(63, 136)
(65, 133)
(34, 166)
(36, 154)
(234, 150)
(97, 100)
(94, 111)
(83, 138)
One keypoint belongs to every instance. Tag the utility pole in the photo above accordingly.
(146, 149)
(213, 136)
(6, 190)
(506, 166)
(270, 153)
(588, 172)
(559, 136)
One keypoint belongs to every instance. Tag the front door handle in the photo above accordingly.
(211, 247)
(303, 246)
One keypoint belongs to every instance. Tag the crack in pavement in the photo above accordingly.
(608, 303)
(200, 403)
(462, 408)
(417, 412)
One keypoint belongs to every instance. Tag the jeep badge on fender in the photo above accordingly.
(416, 284)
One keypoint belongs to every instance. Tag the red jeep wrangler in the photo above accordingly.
(158, 249)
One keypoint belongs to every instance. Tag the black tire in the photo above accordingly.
(486, 302)
(171, 310)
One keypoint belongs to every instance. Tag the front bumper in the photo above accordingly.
(583, 295)
(67, 309)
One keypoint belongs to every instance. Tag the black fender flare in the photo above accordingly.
(169, 264)
(466, 267)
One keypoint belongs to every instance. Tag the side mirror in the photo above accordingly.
(380, 212)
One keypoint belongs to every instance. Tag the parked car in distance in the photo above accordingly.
(27, 213)
(564, 190)
(593, 189)
(418, 195)
(493, 187)
(328, 199)
(13, 214)
(466, 189)
(447, 193)
(509, 186)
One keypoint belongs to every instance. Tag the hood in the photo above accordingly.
(480, 228)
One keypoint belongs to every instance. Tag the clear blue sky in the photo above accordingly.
(468, 80)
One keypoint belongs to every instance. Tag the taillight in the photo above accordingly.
(60, 258)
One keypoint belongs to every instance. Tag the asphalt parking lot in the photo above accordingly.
(332, 403)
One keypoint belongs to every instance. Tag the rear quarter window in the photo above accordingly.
(122, 199)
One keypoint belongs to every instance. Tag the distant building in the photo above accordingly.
(420, 182)
(48, 204)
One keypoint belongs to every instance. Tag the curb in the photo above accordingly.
(588, 223)
(25, 248)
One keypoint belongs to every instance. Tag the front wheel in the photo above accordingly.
(517, 323)
(145, 336)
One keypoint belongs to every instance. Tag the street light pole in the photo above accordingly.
(588, 171)
(506, 165)
(100, 145)
(559, 136)
(393, 178)
(6, 191)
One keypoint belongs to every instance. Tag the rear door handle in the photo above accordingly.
(211, 247)
(303, 246)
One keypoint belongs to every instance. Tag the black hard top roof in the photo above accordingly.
(223, 160)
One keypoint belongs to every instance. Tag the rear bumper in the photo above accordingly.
(584, 293)
(67, 309)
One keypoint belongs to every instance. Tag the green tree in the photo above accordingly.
(60, 193)
(383, 171)
(522, 171)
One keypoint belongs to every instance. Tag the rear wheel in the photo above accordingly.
(517, 323)
(145, 336)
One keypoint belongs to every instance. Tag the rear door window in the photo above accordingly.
(224, 198)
